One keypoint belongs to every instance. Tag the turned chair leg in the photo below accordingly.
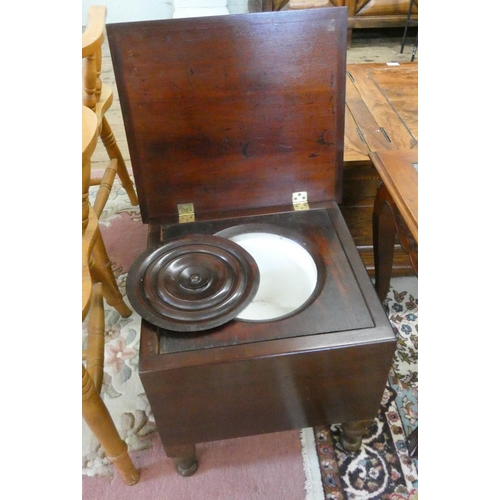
(184, 457)
(94, 354)
(105, 184)
(113, 151)
(100, 268)
(100, 423)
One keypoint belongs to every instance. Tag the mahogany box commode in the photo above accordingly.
(236, 124)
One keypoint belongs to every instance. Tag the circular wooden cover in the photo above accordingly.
(193, 283)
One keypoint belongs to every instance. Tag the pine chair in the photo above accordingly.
(99, 263)
(94, 410)
(99, 97)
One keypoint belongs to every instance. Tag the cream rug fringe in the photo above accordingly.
(313, 486)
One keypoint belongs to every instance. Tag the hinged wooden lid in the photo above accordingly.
(233, 112)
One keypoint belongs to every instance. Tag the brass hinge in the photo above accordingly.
(299, 200)
(186, 212)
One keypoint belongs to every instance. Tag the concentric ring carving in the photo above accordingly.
(192, 283)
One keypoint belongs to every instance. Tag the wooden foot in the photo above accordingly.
(352, 434)
(184, 457)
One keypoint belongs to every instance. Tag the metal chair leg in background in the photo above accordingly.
(414, 50)
(408, 23)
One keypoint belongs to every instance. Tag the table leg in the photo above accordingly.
(384, 232)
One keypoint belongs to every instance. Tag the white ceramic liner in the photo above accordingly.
(288, 275)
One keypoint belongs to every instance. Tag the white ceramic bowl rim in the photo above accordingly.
(288, 272)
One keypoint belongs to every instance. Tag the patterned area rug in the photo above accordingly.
(382, 468)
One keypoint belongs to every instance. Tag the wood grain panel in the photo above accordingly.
(361, 111)
(238, 113)
(382, 108)
(401, 92)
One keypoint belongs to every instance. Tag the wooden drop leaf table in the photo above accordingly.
(381, 115)
(395, 211)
